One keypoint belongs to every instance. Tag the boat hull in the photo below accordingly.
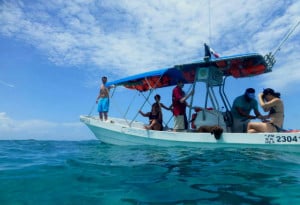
(118, 132)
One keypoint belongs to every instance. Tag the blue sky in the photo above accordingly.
(53, 54)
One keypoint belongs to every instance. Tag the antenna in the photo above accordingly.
(209, 22)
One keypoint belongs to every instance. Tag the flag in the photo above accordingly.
(209, 51)
(214, 53)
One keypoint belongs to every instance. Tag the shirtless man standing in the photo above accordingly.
(103, 104)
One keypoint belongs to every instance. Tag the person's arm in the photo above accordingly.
(262, 101)
(171, 107)
(186, 97)
(268, 105)
(258, 115)
(165, 107)
(97, 99)
(242, 113)
(111, 86)
(187, 104)
(144, 114)
(99, 95)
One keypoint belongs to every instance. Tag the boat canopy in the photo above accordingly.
(238, 66)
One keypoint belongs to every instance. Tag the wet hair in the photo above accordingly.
(104, 77)
(157, 96)
(271, 92)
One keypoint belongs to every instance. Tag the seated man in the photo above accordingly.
(241, 109)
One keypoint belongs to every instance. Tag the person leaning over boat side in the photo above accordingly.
(241, 108)
(155, 116)
(103, 99)
(179, 105)
(270, 101)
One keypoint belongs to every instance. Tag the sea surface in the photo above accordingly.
(90, 172)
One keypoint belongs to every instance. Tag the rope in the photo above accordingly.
(166, 124)
(146, 98)
(137, 113)
(91, 110)
(130, 105)
(286, 37)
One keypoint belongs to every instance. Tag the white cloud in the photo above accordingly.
(11, 129)
(285, 77)
(135, 36)
(7, 84)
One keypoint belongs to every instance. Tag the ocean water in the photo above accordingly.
(90, 172)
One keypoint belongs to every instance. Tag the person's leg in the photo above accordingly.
(105, 108)
(105, 116)
(237, 126)
(186, 123)
(150, 126)
(254, 127)
(178, 123)
(101, 116)
(100, 109)
(155, 125)
(245, 125)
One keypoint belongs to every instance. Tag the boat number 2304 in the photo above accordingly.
(271, 139)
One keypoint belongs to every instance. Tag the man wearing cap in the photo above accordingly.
(241, 108)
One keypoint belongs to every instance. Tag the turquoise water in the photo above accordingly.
(89, 172)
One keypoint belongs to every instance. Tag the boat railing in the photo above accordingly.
(270, 60)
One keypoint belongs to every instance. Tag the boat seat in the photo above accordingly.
(208, 117)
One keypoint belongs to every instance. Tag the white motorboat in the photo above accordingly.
(211, 72)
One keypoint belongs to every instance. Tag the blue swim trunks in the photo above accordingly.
(103, 105)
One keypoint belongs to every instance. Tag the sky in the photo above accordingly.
(53, 54)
